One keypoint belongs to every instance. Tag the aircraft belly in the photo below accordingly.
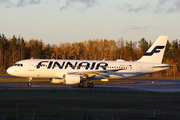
(39, 74)
(115, 77)
(122, 75)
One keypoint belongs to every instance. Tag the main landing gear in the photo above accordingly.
(89, 84)
(29, 83)
(81, 84)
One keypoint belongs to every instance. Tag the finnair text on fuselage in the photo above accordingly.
(78, 65)
(66, 64)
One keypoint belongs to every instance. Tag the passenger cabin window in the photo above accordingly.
(19, 65)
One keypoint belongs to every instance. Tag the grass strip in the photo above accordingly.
(90, 105)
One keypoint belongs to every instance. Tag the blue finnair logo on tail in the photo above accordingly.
(154, 50)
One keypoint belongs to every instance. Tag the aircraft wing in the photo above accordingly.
(95, 72)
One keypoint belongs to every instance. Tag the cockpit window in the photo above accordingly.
(18, 64)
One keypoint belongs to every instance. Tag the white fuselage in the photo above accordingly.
(49, 68)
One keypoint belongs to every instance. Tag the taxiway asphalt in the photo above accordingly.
(153, 85)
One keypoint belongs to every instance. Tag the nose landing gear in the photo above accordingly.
(29, 83)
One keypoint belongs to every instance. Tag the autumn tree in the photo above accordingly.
(82, 51)
(55, 53)
(121, 49)
(13, 48)
(89, 49)
(3, 53)
(129, 50)
(168, 52)
(22, 49)
(48, 51)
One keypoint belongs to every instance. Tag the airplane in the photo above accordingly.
(77, 71)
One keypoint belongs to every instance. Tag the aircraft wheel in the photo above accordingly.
(81, 84)
(90, 85)
(29, 84)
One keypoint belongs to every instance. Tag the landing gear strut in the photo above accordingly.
(90, 85)
(81, 84)
(29, 83)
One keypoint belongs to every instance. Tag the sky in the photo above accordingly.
(61, 21)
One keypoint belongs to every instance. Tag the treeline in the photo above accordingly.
(16, 48)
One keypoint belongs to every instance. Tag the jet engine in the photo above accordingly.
(71, 79)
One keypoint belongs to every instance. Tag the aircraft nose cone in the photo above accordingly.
(10, 71)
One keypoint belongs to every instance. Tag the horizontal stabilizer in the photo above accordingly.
(162, 66)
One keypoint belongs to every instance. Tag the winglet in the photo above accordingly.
(156, 51)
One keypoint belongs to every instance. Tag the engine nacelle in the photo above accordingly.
(71, 79)
(56, 80)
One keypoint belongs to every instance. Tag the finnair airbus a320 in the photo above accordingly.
(78, 71)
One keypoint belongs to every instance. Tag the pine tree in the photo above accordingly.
(143, 46)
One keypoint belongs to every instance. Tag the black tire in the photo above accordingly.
(81, 84)
(90, 85)
(29, 84)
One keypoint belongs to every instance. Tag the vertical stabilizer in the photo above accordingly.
(156, 51)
